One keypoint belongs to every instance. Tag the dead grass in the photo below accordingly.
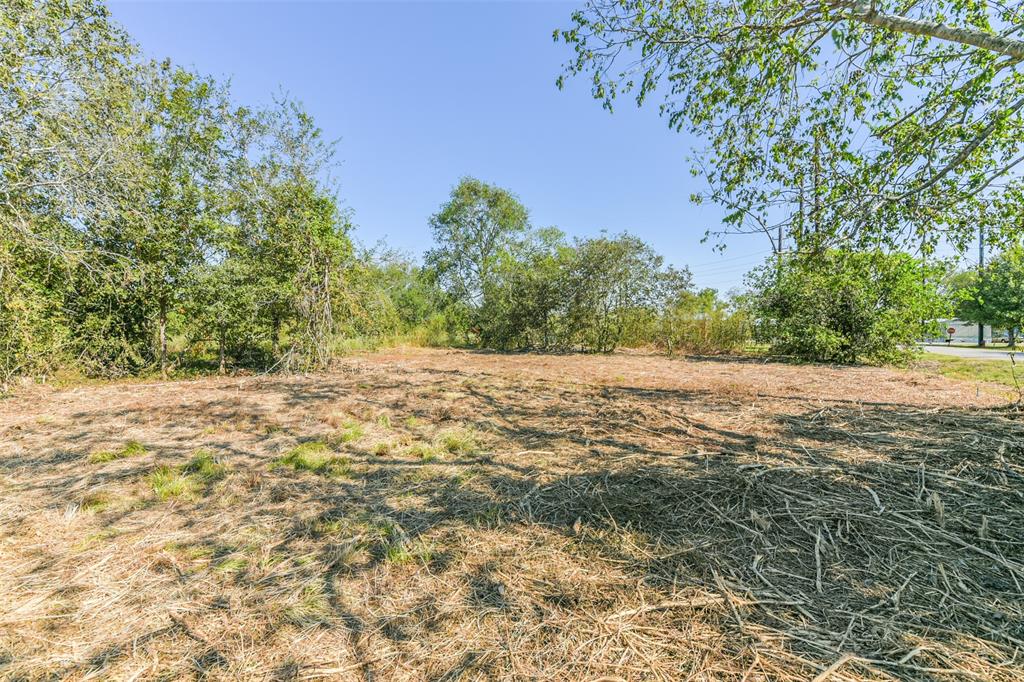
(532, 517)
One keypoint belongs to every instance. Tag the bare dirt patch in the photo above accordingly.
(443, 515)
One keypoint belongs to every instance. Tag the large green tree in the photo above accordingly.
(285, 230)
(67, 95)
(877, 121)
(995, 295)
(616, 287)
(67, 77)
(472, 230)
(525, 300)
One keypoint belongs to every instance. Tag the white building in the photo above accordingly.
(964, 332)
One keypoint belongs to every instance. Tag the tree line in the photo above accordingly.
(511, 286)
(140, 207)
(993, 294)
(148, 222)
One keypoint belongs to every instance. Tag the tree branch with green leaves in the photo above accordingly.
(853, 122)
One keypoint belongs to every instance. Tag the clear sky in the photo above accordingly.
(422, 93)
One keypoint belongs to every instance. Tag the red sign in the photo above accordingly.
(951, 331)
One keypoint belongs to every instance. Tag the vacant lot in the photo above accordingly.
(432, 515)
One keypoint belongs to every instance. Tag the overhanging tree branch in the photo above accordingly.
(964, 36)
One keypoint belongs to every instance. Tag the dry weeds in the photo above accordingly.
(528, 517)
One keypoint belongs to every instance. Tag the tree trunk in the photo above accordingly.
(163, 337)
(275, 337)
(222, 342)
(1013, 337)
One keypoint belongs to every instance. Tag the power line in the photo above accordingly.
(755, 256)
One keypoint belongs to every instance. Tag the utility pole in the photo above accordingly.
(817, 189)
(981, 273)
(778, 254)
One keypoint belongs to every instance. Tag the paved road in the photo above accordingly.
(973, 353)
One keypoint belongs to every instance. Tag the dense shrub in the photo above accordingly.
(845, 306)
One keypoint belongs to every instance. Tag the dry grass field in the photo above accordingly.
(446, 515)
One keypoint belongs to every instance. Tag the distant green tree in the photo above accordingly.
(524, 303)
(407, 292)
(179, 210)
(145, 253)
(846, 306)
(288, 231)
(700, 322)
(616, 287)
(472, 231)
(995, 296)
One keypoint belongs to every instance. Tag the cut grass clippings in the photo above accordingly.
(618, 517)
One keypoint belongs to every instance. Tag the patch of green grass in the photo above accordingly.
(384, 421)
(205, 468)
(168, 482)
(457, 441)
(425, 451)
(317, 457)
(412, 421)
(132, 448)
(311, 608)
(350, 431)
(970, 369)
(187, 480)
(382, 448)
(231, 565)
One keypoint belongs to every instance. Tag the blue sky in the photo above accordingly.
(423, 93)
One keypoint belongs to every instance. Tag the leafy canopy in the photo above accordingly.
(877, 121)
(995, 296)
